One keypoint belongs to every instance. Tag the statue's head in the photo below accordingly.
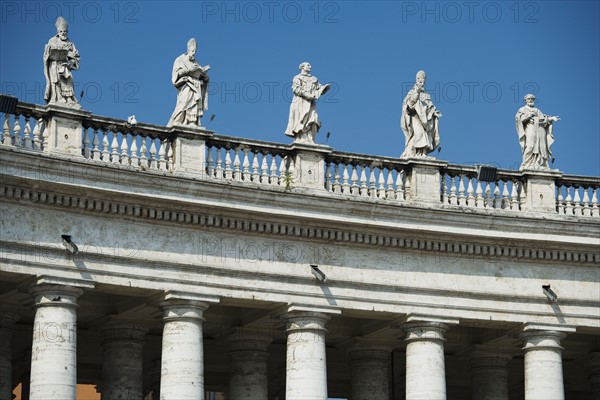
(529, 99)
(61, 28)
(191, 47)
(305, 67)
(421, 76)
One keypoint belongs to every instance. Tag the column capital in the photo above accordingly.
(248, 339)
(544, 337)
(50, 295)
(426, 328)
(121, 330)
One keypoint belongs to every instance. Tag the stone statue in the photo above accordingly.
(60, 58)
(535, 134)
(419, 121)
(303, 122)
(191, 80)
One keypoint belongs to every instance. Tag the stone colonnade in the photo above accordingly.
(54, 355)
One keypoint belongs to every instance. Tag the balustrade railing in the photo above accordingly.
(366, 176)
(228, 159)
(115, 141)
(240, 160)
(577, 196)
(460, 187)
(26, 128)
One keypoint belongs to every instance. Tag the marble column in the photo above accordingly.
(489, 375)
(248, 364)
(370, 363)
(593, 366)
(7, 320)
(54, 347)
(543, 362)
(306, 364)
(182, 365)
(425, 362)
(122, 361)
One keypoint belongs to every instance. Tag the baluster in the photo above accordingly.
(390, 193)
(153, 160)
(381, 183)
(576, 201)
(86, 151)
(246, 165)
(337, 186)
(228, 170)
(489, 199)
(95, 143)
(282, 171)
(210, 167)
(17, 132)
(169, 155)
(462, 199)
(497, 197)
(479, 202)
(568, 201)
(105, 152)
(27, 133)
(505, 203)
(6, 139)
(560, 206)
(264, 172)
(586, 202)
(237, 175)
(445, 196)
(328, 176)
(364, 190)
(219, 164)
(354, 190)
(114, 156)
(470, 192)
(45, 135)
(345, 183)
(514, 196)
(135, 159)
(162, 155)
(37, 134)
(400, 186)
(273, 169)
(595, 209)
(372, 182)
(144, 153)
(453, 195)
(255, 171)
(125, 149)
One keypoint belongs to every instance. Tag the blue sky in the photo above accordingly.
(481, 58)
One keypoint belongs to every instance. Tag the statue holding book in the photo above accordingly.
(191, 80)
(60, 58)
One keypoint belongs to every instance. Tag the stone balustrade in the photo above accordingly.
(461, 187)
(198, 153)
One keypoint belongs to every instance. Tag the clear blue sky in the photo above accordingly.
(481, 58)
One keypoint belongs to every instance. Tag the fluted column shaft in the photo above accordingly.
(54, 346)
(122, 345)
(543, 365)
(7, 321)
(425, 362)
(182, 366)
(306, 364)
(248, 365)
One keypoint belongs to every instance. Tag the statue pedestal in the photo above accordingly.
(189, 148)
(309, 165)
(65, 129)
(540, 189)
(425, 181)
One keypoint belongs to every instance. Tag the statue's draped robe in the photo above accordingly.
(59, 80)
(192, 100)
(303, 112)
(419, 124)
(535, 137)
